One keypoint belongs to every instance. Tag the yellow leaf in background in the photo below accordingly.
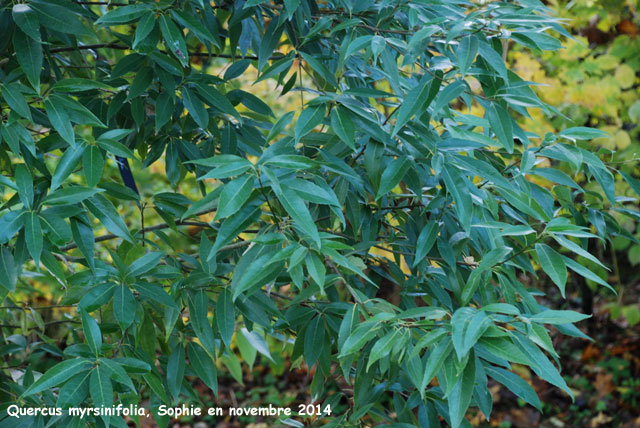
(606, 62)
(607, 142)
(622, 139)
(527, 67)
(625, 76)
(575, 49)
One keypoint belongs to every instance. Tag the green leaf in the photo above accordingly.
(202, 364)
(315, 267)
(393, 175)
(425, 241)
(60, 119)
(234, 195)
(144, 264)
(97, 296)
(140, 83)
(343, 126)
(92, 333)
(297, 209)
(70, 195)
(79, 84)
(198, 304)
(296, 162)
(92, 165)
(58, 17)
(558, 317)
(112, 146)
(123, 14)
(175, 371)
(571, 246)
(74, 391)
(418, 99)
(257, 274)
(24, 182)
(466, 52)
(382, 347)
(57, 375)
(501, 125)
(132, 365)
(164, 109)
(145, 26)
(29, 54)
(195, 27)
(515, 384)
(436, 358)
(541, 364)
(104, 211)
(233, 226)
(215, 99)
(224, 166)
(124, 306)
(117, 373)
(456, 187)
(358, 337)
(320, 68)
(66, 165)
(460, 396)
(174, 39)
(313, 341)
(582, 133)
(553, 265)
(225, 316)
(309, 119)
(258, 342)
(83, 237)
(27, 19)
(586, 273)
(33, 236)
(8, 270)
(155, 293)
(195, 107)
(269, 42)
(16, 100)
(101, 390)
(467, 326)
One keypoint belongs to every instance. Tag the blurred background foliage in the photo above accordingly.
(594, 81)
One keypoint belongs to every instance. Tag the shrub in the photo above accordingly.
(382, 225)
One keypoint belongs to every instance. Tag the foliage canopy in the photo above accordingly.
(381, 231)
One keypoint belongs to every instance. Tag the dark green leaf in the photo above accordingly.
(57, 375)
(29, 54)
(124, 306)
(92, 165)
(225, 316)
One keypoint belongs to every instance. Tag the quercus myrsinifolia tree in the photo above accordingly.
(385, 224)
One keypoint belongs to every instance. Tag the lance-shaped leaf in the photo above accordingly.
(225, 316)
(124, 306)
(553, 265)
(234, 195)
(297, 209)
(33, 235)
(417, 99)
(8, 270)
(29, 54)
(202, 363)
(57, 375)
(104, 210)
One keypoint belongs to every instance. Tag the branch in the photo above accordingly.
(166, 226)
